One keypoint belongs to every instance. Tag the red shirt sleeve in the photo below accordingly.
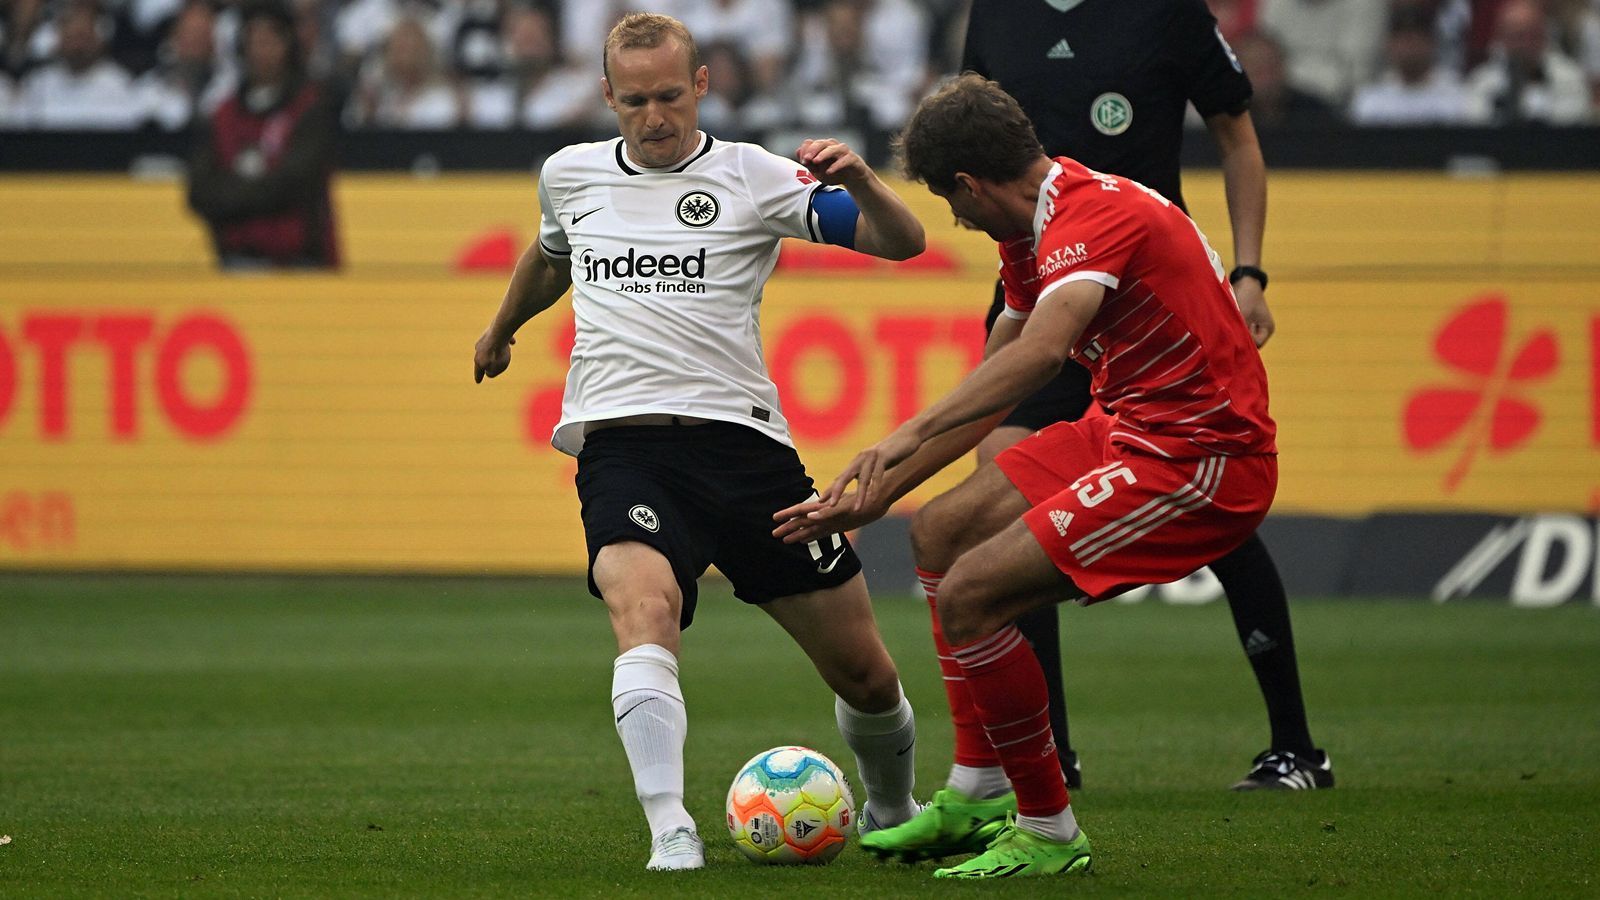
(1092, 237)
(1017, 277)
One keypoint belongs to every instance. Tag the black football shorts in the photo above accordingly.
(703, 495)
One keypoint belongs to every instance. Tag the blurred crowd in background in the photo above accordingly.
(774, 64)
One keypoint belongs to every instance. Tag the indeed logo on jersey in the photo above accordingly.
(1062, 258)
(633, 266)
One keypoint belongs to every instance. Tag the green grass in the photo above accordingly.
(377, 738)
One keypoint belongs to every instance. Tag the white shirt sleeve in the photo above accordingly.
(552, 237)
(781, 190)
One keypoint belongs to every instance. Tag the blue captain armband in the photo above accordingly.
(832, 216)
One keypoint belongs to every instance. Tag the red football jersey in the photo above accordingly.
(1168, 351)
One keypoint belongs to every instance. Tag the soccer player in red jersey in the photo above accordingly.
(1182, 469)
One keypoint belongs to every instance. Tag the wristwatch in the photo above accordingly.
(1247, 272)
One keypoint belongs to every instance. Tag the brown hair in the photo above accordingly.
(647, 31)
(968, 125)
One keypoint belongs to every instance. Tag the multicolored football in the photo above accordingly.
(790, 805)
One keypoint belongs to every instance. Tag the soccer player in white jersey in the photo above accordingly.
(667, 237)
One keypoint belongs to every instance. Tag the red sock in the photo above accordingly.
(972, 742)
(1008, 688)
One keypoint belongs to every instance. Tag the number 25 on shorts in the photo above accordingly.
(1095, 492)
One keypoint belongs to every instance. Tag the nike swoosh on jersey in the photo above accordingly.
(825, 569)
(579, 217)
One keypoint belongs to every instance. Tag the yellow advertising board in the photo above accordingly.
(156, 415)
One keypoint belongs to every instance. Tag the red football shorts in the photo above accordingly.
(1113, 520)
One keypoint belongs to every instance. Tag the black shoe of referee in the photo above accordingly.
(1283, 770)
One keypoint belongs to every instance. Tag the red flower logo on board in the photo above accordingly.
(1486, 403)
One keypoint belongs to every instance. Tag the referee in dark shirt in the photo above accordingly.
(1107, 83)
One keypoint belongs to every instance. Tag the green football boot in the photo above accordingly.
(1018, 852)
(951, 823)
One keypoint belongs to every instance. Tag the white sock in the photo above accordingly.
(1063, 826)
(978, 782)
(652, 723)
(885, 748)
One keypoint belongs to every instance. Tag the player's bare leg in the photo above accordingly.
(1041, 627)
(1260, 610)
(999, 439)
(954, 522)
(837, 630)
(1001, 578)
(979, 507)
(641, 595)
(973, 807)
(643, 599)
(983, 594)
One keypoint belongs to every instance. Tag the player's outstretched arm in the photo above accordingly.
(536, 284)
(1013, 372)
(885, 227)
(835, 511)
(831, 514)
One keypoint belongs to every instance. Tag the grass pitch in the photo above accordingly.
(376, 738)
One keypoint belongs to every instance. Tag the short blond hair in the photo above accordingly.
(645, 31)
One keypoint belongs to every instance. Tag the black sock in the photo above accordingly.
(1261, 616)
(1042, 629)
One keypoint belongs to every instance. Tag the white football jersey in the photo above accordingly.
(668, 266)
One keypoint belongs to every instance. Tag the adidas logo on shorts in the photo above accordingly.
(1060, 520)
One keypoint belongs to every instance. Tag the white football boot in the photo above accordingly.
(677, 849)
(867, 823)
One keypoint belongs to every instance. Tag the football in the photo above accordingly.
(790, 805)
